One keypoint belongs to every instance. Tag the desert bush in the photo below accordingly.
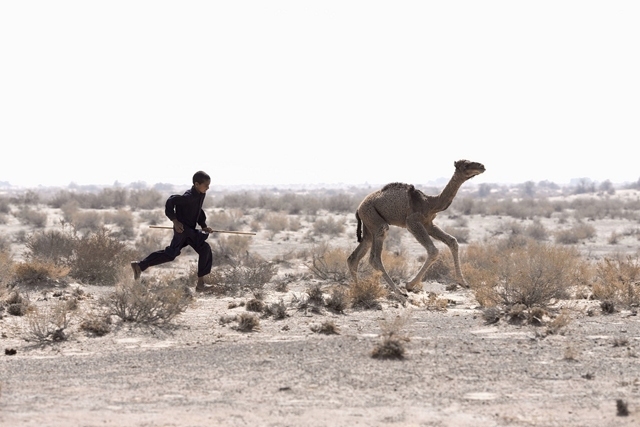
(30, 216)
(149, 303)
(145, 199)
(153, 217)
(329, 263)
(392, 339)
(338, 300)
(86, 220)
(53, 245)
(366, 293)
(230, 250)
(5, 205)
(40, 272)
(537, 231)
(247, 322)
(96, 324)
(328, 327)
(575, 234)
(277, 309)
(329, 226)
(17, 304)
(251, 275)
(275, 222)
(125, 221)
(150, 241)
(532, 275)
(617, 280)
(6, 268)
(99, 258)
(230, 219)
(48, 323)
(254, 304)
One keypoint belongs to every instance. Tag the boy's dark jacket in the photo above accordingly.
(187, 208)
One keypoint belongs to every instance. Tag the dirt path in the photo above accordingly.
(458, 371)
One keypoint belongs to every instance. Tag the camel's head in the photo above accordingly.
(468, 169)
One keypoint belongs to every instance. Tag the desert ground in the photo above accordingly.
(453, 364)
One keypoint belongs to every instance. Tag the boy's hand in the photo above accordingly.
(207, 229)
(177, 225)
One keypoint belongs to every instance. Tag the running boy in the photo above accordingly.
(186, 212)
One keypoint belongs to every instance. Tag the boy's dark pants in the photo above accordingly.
(191, 237)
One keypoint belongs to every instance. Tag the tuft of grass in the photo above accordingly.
(328, 263)
(96, 324)
(39, 272)
(278, 310)
(618, 280)
(328, 327)
(247, 322)
(392, 339)
(366, 293)
(255, 305)
(338, 300)
(48, 324)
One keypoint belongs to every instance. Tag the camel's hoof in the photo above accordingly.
(415, 289)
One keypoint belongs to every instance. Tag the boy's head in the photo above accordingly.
(201, 181)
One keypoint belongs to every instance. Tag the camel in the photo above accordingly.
(405, 206)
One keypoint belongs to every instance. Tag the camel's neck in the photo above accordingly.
(442, 201)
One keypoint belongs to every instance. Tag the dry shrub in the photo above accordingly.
(575, 234)
(150, 241)
(99, 257)
(86, 220)
(278, 310)
(96, 324)
(39, 272)
(275, 222)
(125, 221)
(367, 292)
(6, 268)
(145, 199)
(617, 280)
(315, 295)
(52, 245)
(254, 304)
(230, 219)
(251, 275)
(329, 226)
(230, 250)
(441, 270)
(329, 263)
(29, 216)
(247, 322)
(48, 323)
(392, 339)
(537, 231)
(328, 327)
(17, 304)
(557, 324)
(532, 275)
(338, 300)
(148, 303)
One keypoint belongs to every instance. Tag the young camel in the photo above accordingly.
(404, 206)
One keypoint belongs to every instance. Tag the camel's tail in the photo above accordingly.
(359, 228)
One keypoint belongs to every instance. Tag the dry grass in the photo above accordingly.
(96, 324)
(533, 274)
(247, 322)
(329, 263)
(392, 339)
(48, 323)
(328, 327)
(618, 280)
(38, 272)
(338, 300)
(367, 292)
(148, 303)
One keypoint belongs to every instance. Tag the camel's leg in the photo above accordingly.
(418, 230)
(375, 259)
(354, 259)
(450, 241)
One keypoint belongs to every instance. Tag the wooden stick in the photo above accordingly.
(166, 227)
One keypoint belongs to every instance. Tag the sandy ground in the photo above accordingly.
(457, 371)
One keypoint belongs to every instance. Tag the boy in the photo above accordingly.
(185, 212)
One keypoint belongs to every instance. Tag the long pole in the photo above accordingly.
(166, 227)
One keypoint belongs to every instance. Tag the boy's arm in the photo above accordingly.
(170, 212)
(202, 221)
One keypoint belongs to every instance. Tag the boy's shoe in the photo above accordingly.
(201, 287)
(137, 271)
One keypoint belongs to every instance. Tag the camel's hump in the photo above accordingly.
(398, 185)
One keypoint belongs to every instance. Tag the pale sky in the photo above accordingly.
(318, 92)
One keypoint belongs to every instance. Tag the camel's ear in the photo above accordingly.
(460, 163)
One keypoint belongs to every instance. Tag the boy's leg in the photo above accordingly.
(167, 254)
(205, 258)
